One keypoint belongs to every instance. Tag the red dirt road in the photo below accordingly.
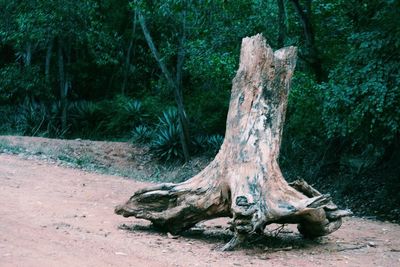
(56, 216)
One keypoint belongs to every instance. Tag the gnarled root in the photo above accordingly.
(244, 181)
(176, 207)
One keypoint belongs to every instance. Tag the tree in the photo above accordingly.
(281, 23)
(128, 55)
(362, 97)
(312, 56)
(176, 84)
(244, 180)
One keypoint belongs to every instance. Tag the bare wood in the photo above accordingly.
(244, 180)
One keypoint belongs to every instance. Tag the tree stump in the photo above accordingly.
(244, 180)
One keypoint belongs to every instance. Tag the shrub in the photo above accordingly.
(18, 83)
(8, 120)
(153, 106)
(214, 143)
(54, 128)
(32, 119)
(208, 144)
(199, 144)
(122, 114)
(142, 134)
(208, 111)
(85, 118)
(304, 142)
(166, 143)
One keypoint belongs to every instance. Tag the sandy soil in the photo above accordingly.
(56, 216)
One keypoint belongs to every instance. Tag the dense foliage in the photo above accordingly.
(84, 69)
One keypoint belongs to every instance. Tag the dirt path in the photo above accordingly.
(55, 216)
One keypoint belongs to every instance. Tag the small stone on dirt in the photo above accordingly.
(172, 236)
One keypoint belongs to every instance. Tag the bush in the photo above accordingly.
(54, 128)
(362, 98)
(18, 83)
(304, 141)
(199, 144)
(8, 120)
(166, 143)
(208, 110)
(85, 118)
(32, 119)
(122, 114)
(153, 106)
(214, 143)
(208, 144)
(142, 134)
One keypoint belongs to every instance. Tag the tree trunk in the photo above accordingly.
(244, 180)
(281, 23)
(313, 57)
(181, 55)
(184, 137)
(128, 56)
(48, 61)
(63, 86)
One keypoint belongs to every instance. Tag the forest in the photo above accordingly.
(159, 73)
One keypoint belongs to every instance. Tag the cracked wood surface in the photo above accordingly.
(244, 181)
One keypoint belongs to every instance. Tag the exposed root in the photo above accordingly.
(236, 240)
(244, 180)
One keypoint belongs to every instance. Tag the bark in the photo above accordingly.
(244, 180)
(184, 138)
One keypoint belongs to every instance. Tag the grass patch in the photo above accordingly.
(131, 162)
(7, 147)
(64, 155)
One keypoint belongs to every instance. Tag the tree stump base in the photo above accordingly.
(244, 180)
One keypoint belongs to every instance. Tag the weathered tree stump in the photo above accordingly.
(244, 180)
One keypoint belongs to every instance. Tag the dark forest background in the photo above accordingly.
(159, 73)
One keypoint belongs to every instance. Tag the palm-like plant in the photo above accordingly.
(85, 117)
(214, 143)
(142, 134)
(32, 118)
(124, 114)
(166, 143)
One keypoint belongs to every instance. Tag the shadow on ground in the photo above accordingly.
(280, 238)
